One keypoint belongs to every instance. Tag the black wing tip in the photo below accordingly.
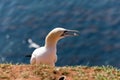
(27, 55)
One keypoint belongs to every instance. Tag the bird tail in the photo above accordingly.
(32, 44)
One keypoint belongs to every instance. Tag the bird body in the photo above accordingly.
(44, 55)
(47, 53)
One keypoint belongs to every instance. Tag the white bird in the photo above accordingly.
(32, 44)
(47, 53)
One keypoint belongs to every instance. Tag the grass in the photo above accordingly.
(44, 72)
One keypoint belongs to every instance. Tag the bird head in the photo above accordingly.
(59, 33)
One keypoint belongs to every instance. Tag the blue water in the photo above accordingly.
(97, 20)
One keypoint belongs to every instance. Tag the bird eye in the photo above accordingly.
(64, 32)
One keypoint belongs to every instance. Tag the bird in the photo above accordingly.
(32, 44)
(47, 53)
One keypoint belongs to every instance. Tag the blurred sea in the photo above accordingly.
(97, 20)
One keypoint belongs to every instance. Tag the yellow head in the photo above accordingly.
(58, 33)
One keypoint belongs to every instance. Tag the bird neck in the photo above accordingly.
(51, 42)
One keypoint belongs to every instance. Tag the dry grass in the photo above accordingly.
(44, 72)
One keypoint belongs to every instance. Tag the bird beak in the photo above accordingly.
(71, 33)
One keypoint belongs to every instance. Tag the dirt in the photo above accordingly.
(44, 72)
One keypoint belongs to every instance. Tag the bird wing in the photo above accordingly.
(33, 60)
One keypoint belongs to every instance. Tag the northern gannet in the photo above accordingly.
(47, 53)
